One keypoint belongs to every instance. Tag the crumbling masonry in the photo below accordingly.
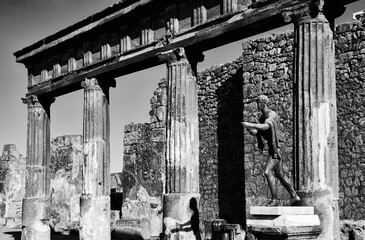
(122, 39)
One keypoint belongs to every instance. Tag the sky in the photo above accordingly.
(24, 22)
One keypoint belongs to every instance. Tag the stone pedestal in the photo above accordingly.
(95, 200)
(283, 223)
(35, 213)
(282, 216)
(178, 213)
(95, 217)
(132, 229)
(285, 233)
(182, 152)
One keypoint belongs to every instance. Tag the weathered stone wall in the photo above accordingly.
(12, 186)
(231, 165)
(221, 141)
(350, 76)
(267, 69)
(66, 182)
(143, 178)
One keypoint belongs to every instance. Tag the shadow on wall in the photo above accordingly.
(231, 171)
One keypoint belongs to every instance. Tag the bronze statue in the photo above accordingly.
(268, 129)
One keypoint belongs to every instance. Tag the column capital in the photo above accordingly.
(180, 54)
(30, 100)
(172, 56)
(320, 9)
(301, 12)
(35, 101)
(90, 83)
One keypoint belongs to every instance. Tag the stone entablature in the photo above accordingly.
(124, 43)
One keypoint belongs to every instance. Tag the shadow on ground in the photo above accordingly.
(15, 234)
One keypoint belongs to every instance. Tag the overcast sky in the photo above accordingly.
(23, 22)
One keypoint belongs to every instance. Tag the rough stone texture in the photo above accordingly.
(231, 165)
(12, 186)
(350, 75)
(143, 177)
(221, 154)
(352, 230)
(66, 182)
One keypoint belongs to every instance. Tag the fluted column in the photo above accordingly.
(315, 117)
(95, 200)
(182, 153)
(35, 213)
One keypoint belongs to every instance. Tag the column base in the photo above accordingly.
(38, 230)
(180, 212)
(95, 218)
(34, 209)
(326, 207)
(35, 216)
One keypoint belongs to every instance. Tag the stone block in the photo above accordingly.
(114, 217)
(284, 220)
(12, 185)
(126, 228)
(284, 233)
(139, 205)
(254, 210)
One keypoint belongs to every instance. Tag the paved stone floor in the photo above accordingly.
(15, 234)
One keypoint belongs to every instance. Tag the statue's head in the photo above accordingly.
(262, 102)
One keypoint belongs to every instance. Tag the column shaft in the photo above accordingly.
(36, 202)
(315, 120)
(182, 130)
(95, 200)
(182, 153)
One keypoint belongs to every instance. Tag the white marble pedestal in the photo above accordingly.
(283, 223)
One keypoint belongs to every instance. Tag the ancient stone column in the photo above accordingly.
(35, 214)
(95, 199)
(315, 118)
(182, 153)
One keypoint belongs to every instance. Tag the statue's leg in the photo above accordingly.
(269, 174)
(278, 169)
(279, 174)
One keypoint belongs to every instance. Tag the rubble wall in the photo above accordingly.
(350, 76)
(12, 186)
(66, 182)
(143, 178)
(230, 164)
